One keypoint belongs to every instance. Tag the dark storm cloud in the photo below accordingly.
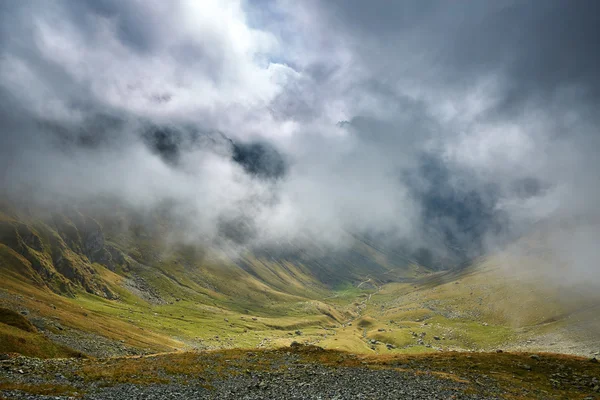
(537, 47)
(543, 46)
(260, 159)
(134, 25)
(458, 209)
(539, 59)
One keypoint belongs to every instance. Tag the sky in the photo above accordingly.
(448, 127)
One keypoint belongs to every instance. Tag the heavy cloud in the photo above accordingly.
(449, 128)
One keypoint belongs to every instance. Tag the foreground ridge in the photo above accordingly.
(303, 372)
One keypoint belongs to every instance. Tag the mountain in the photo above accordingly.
(105, 284)
(92, 289)
(89, 280)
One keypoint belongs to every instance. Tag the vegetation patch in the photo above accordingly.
(366, 322)
(13, 318)
(43, 389)
(15, 340)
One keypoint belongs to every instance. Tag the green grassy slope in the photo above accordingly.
(489, 305)
(80, 275)
(127, 286)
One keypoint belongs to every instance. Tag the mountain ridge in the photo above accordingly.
(107, 285)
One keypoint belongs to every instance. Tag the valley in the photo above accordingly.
(138, 302)
(289, 200)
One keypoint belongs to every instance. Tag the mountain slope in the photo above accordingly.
(123, 288)
(107, 286)
(510, 300)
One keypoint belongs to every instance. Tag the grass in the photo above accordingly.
(484, 307)
(13, 318)
(15, 340)
(219, 304)
(204, 301)
(211, 301)
(205, 319)
(194, 321)
(277, 321)
(44, 389)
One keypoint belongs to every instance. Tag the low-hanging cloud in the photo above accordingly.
(446, 128)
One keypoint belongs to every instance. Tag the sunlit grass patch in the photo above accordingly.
(42, 389)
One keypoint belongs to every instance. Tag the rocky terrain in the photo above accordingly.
(302, 372)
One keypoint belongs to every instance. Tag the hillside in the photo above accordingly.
(317, 199)
(89, 289)
(118, 287)
(115, 287)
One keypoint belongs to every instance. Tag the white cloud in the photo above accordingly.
(412, 92)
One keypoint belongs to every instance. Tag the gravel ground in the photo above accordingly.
(319, 384)
(300, 372)
(280, 375)
(312, 382)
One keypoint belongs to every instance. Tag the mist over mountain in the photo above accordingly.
(332, 196)
(461, 126)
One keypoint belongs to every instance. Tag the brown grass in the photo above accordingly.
(13, 318)
(509, 370)
(44, 389)
(14, 340)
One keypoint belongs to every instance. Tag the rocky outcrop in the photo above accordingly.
(62, 252)
(29, 238)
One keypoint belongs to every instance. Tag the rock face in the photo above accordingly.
(61, 251)
(84, 235)
(93, 240)
(29, 238)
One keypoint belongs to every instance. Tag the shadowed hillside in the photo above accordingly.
(114, 285)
